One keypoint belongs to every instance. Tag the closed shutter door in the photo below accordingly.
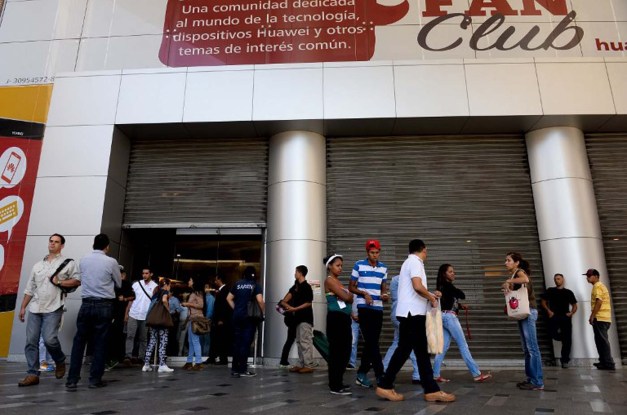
(468, 198)
(607, 155)
(205, 181)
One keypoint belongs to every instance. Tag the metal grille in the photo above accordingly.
(197, 181)
(468, 198)
(607, 155)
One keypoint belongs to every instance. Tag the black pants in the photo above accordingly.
(603, 342)
(561, 329)
(370, 323)
(340, 337)
(291, 336)
(412, 336)
(221, 342)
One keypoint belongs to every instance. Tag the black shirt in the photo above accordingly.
(126, 291)
(301, 294)
(560, 300)
(450, 295)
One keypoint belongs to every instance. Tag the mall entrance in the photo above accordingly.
(181, 254)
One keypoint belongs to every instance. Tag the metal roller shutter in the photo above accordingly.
(607, 154)
(468, 198)
(197, 181)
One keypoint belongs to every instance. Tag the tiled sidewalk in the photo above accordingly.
(570, 391)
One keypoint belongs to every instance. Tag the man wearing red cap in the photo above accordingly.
(600, 319)
(368, 282)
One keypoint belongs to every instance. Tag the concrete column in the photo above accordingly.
(297, 227)
(568, 224)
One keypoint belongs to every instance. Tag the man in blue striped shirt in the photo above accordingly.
(368, 283)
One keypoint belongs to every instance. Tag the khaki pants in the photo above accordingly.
(304, 342)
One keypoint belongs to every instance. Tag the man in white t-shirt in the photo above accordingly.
(411, 311)
(136, 317)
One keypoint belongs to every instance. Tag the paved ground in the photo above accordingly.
(570, 391)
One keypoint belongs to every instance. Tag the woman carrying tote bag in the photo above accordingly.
(520, 274)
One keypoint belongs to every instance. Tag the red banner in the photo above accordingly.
(19, 159)
(232, 32)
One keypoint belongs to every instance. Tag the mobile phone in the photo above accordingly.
(11, 167)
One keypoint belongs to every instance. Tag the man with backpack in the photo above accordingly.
(44, 296)
(136, 318)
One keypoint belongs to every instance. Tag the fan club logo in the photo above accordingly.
(230, 32)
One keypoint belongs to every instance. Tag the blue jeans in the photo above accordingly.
(533, 359)
(194, 349)
(386, 360)
(355, 330)
(92, 325)
(452, 329)
(45, 325)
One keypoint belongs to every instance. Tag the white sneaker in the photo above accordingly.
(147, 368)
(165, 369)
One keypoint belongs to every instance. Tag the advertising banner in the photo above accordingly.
(228, 32)
(20, 149)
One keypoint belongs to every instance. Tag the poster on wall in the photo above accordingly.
(20, 150)
(230, 32)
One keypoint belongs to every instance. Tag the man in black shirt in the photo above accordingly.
(560, 305)
(298, 303)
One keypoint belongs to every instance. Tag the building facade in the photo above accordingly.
(276, 132)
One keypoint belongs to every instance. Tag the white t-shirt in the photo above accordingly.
(409, 301)
(142, 302)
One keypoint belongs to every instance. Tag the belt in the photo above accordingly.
(97, 300)
(449, 312)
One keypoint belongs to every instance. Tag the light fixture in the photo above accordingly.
(468, 241)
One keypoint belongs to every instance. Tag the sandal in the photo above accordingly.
(483, 378)
(440, 379)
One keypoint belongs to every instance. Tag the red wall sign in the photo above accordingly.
(231, 32)
(19, 159)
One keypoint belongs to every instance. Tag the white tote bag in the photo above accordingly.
(517, 302)
(435, 333)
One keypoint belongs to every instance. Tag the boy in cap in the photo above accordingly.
(368, 282)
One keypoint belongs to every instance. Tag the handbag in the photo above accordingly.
(200, 325)
(253, 311)
(159, 317)
(435, 332)
(517, 303)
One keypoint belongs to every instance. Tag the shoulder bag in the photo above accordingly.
(159, 317)
(253, 310)
(517, 303)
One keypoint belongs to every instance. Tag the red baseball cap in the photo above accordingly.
(373, 243)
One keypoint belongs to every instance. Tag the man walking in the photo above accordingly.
(368, 283)
(600, 319)
(44, 298)
(136, 330)
(411, 312)
(560, 305)
(100, 275)
(298, 302)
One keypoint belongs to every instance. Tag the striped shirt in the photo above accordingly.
(369, 279)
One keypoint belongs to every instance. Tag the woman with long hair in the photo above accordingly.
(339, 333)
(196, 305)
(450, 323)
(160, 334)
(521, 274)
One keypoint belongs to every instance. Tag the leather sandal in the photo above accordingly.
(440, 379)
(483, 378)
